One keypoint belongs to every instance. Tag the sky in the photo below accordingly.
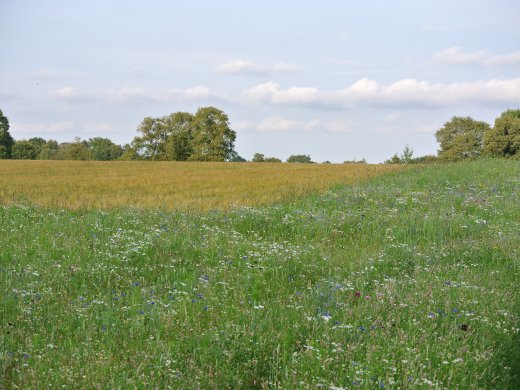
(337, 80)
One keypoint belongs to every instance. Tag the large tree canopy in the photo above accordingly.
(104, 149)
(6, 141)
(461, 138)
(181, 136)
(213, 139)
(179, 144)
(503, 140)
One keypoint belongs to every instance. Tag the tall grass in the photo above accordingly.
(168, 185)
(409, 280)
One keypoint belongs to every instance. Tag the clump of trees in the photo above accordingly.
(465, 138)
(362, 161)
(259, 157)
(300, 158)
(181, 136)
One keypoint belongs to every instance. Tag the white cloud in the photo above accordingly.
(278, 123)
(246, 67)
(282, 67)
(198, 93)
(23, 130)
(262, 92)
(281, 124)
(406, 93)
(242, 125)
(127, 96)
(456, 56)
(338, 126)
(123, 96)
(504, 60)
(270, 92)
(71, 95)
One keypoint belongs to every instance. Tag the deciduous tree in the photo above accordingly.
(23, 150)
(179, 144)
(213, 139)
(300, 158)
(461, 138)
(6, 141)
(49, 151)
(503, 140)
(104, 149)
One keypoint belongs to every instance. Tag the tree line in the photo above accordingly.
(463, 138)
(206, 136)
(181, 136)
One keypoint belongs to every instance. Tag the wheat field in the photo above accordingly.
(77, 185)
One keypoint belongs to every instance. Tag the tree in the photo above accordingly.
(179, 144)
(129, 153)
(49, 151)
(38, 143)
(104, 149)
(461, 138)
(300, 158)
(23, 150)
(395, 159)
(150, 145)
(213, 139)
(406, 156)
(272, 160)
(6, 141)
(503, 140)
(77, 150)
(258, 157)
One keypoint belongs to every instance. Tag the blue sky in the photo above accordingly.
(338, 80)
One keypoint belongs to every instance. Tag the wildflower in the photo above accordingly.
(367, 297)
(326, 316)
(357, 294)
(136, 284)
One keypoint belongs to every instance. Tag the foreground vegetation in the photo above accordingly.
(167, 185)
(409, 280)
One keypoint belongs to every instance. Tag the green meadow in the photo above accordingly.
(406, 280)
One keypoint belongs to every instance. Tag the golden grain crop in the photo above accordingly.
(168, 185)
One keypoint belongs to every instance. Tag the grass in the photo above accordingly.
(408, 280)
(168, 185)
